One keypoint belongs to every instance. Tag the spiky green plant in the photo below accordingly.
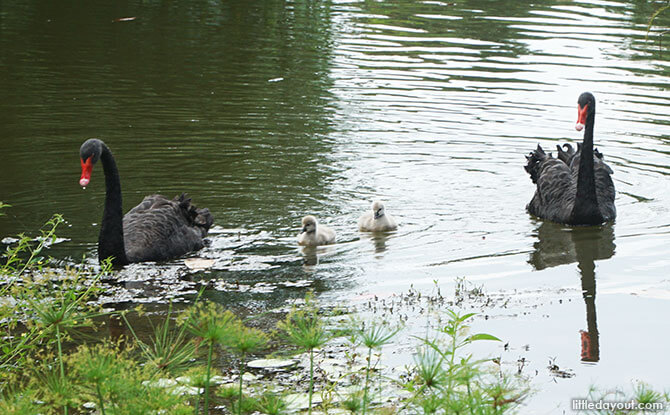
(119, 384)
(168, 350)
(303, 328)
(353, 402)
(25, 254)
(373, 335)
(211, 325)
(429, 367)
(271, 403)
(243, 341)
(94, 367)
(14, 401)
(452, 381)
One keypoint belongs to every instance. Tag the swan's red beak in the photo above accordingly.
(86, 169)
(581, 117)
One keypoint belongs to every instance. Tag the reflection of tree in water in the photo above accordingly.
(226, 99)
(483, 20)
(558, 245)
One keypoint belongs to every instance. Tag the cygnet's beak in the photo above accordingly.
(379, 213)
(304, 229)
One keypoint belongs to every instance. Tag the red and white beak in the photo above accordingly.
(86, 169)
(581, 117)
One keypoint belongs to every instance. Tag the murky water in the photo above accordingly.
(268, 111)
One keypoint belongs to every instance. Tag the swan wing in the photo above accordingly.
(555, 193)
(159, 228)
(366, 222)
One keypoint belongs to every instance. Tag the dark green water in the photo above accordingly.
(264, 111)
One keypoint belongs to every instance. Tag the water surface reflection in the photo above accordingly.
(559, 245)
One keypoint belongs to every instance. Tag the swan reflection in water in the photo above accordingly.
(310, 255)
(378, 240)
(559, 245)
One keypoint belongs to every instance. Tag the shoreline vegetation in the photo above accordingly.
(206, 359)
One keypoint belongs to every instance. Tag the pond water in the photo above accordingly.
(266, 111)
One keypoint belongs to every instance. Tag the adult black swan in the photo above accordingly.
(157, 229)
(575, 188)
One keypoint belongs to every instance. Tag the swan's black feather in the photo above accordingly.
(556, 187)
(159, 228)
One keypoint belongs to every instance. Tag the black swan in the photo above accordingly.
(157, 229)
(575, 188)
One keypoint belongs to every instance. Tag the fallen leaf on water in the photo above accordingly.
(271, 363)
(198, 263)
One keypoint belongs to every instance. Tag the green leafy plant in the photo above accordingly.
(25, 254)
(271, 403)
(169, 350)
(373, 336)
(303, 327)
(243, 341)
(662, 9)
(211, 325)
(118, 384)
(454, 382)
(15, 401)
(61, 315)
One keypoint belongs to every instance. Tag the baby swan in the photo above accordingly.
(313, 235)
(377, 220)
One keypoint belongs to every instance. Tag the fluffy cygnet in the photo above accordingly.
(377, 220)
(312, 235)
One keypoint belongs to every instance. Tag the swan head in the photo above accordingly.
(89, 154)
(378, 209)
(308, 224)
(586, 105)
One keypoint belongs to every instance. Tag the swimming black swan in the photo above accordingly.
(155, 230)
(575, 188)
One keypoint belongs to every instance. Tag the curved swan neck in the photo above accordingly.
(586, 202)
(110, 241)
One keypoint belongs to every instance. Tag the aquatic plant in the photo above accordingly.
(242, 341)
(303, 327)
(372, 335)
(169, 350)
(211, 325)
(109, 376)
(24, 253)
(449, 380)
(662, 9)
(271, 403)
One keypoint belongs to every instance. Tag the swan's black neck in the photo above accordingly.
(586, 210)
(110, 241)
